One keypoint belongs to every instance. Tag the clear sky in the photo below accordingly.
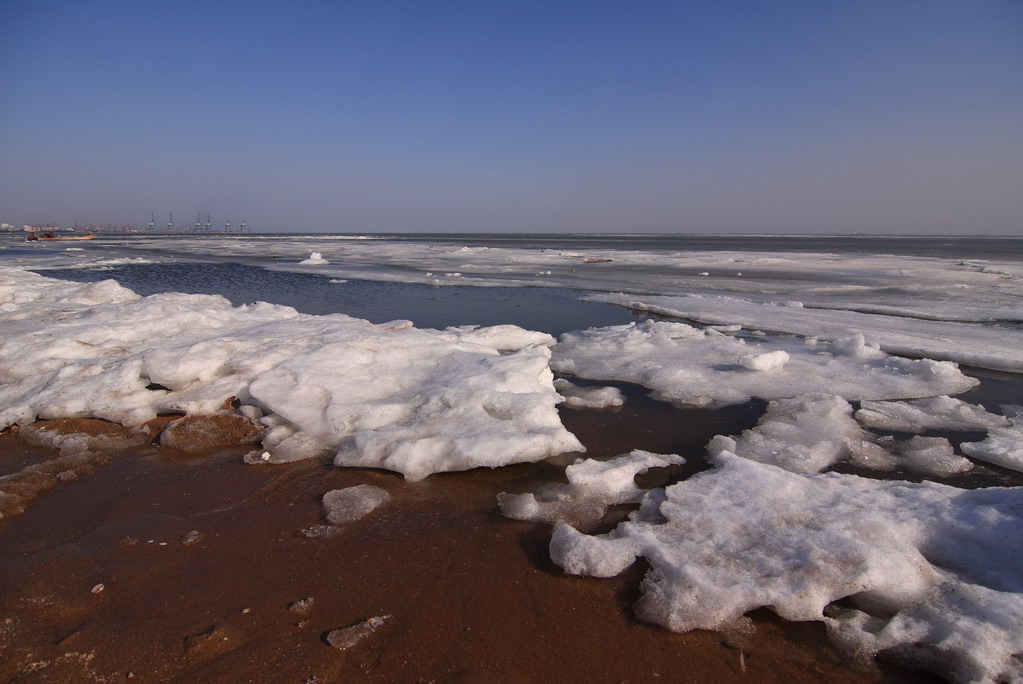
(823, 116)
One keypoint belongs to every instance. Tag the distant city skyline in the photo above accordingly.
(878, 117)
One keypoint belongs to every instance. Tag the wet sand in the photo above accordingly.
(102, 582)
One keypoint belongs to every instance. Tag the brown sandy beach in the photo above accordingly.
(104, 579)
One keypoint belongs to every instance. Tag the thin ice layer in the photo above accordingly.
(387, 396)
(935, 572)
(690, 366)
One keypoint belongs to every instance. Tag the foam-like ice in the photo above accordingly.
(934, 573)
(387, 396)
(922, 414)
(690, 366)
(580, 397)
(592, 487)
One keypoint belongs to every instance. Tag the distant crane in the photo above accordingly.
(207, 220)
(227, 226)
(152, 220)
(242, 228)
(198, 222)
(170, 222)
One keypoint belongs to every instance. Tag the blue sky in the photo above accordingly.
(898, 117)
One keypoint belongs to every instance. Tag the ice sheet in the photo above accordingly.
(698, 367)
(935, 573)
(983, 346)
(386, 396)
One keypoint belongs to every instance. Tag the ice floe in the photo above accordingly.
(577, 396)
(934, 574)
(1003, 446)
(690, 366)
(921, 414)
(384, 396)
(812, 432)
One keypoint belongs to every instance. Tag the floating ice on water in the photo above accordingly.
(352, 503)
(315, 259)
(922, 414)
(935, 573)
(580, 397)
(386, 396)
(932, 456)
(690, 366)
(1003, 446)
(592, 487)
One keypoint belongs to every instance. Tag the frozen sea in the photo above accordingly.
(866, 394)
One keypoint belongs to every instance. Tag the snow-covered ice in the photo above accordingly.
(385, 396)
(935, 573)
(699, 367)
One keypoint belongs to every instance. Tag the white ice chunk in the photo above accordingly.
(767, 361)
(352, 503)
(580, 397)
(690, 366)
(936, 572)
(315, 259)
(922, 414)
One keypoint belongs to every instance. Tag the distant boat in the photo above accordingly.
(51, 236)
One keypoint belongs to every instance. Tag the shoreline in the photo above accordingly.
(470, 595)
